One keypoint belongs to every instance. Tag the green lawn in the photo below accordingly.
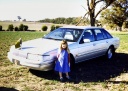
(95, 75)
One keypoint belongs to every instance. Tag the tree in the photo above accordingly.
(53, 27)
(118, 13)
(0, 28)
(19, 17)
(68, 20)
(91, 5)
(21, 27)
(58, 26)
(25, 27)
(10, 27)
(44, 28)
(16, 28)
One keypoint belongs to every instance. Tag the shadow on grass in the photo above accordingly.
(96, 70)
(7, 89)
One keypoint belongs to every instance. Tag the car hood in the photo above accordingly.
(40, 46)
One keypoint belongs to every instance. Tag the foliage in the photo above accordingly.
(116, 15)
(0, 28)
(44, 28)
(21, 27)
(53, 27)
(19, 17)
(91, 7)
(25, 27)
(16, 29)
(62, 20)
(10, 27)
(125, 24)
(58, 26)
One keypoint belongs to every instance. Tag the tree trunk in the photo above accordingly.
(120, 28)
(92, 18)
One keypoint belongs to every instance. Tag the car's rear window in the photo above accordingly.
(106, 34)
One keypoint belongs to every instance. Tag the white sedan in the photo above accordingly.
(84, 43)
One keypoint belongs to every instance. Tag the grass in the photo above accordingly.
(95, 75)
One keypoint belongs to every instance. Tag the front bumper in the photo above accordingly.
(32, 64)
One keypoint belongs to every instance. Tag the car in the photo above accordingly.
(85, 43)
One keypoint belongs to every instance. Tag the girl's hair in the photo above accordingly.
(64, 42)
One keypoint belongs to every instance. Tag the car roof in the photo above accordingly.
(82, 27)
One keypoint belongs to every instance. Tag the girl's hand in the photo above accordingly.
(69, 64)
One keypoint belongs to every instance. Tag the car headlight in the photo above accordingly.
(46, 57)
(35, 57)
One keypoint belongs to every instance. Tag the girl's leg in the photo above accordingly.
(61, 77)
(60, 74)
(67, 74)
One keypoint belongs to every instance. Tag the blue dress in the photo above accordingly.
(62, 64)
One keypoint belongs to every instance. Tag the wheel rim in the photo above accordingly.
(110, 54)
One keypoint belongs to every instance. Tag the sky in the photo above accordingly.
(34, 10)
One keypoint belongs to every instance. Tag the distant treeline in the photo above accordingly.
(62, 20)
(23, 27)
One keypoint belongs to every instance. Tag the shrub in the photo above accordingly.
(16, 28)
(10, 27)
(58, 26)
(0, 28)
(25, 27)
(21, 27)
(44, 28)
(53, 27)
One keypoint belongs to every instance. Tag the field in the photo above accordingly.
(31, 25)
(93, 75)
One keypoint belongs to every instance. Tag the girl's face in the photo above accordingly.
(64, 46)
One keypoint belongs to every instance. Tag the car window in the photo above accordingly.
(69, 34)
(107, 34)
(58, 34)
(99, 34)
(88, 35)
(104, 34)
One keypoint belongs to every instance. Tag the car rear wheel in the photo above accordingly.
(110, 53)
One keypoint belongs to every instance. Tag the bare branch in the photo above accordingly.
(98, 2)
(84, 7)
(104, 7)
(88, 5)
(101, 10)
(82, 18)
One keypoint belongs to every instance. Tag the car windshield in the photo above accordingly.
(68, 34)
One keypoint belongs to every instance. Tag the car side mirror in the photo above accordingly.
(86, 40)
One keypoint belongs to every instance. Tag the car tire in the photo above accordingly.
(110, 53)
(72, 63)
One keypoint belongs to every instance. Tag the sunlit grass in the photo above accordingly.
(9, 38)
(123, 48)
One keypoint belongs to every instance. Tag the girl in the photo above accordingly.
(62, 65)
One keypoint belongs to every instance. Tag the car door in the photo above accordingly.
(101, 44)
(86, 48)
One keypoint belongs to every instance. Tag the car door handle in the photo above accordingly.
(94, 44)
(106, 41)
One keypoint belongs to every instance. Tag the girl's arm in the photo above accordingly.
(58, 53)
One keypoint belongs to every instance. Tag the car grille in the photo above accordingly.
(20, 53)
